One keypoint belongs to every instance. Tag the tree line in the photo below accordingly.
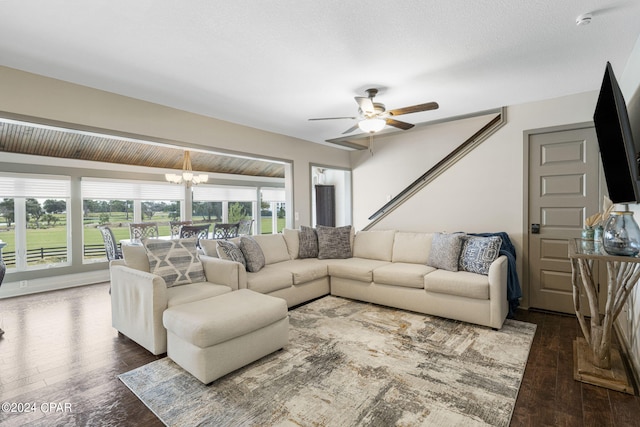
(35, 211)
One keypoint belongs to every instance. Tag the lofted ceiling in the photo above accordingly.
(274, 64)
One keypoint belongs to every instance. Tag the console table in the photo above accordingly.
(595, 362)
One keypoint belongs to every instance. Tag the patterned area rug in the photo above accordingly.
(351, 363)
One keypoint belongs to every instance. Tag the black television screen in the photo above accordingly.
(617, 149)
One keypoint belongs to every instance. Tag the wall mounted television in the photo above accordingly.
(617, 149)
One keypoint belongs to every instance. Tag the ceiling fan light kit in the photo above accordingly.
(372, 125)
(374, 115)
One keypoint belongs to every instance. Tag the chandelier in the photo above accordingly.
(187, 176)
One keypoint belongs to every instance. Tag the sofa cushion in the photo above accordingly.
(334, 242)
(402, 274)
(374, 244)
(445, 251)
(230, 251)
(355, 268)
(176, 260)
(214, 320)
(209, 247)
(308, 243)
(411, 247)
(269, 279)
(135, 256)
(178, 295)
(478, 253)
(460, 283)
(292, 239)
(273, 247)
(304, 270)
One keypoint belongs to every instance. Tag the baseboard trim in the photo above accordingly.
(52, 283)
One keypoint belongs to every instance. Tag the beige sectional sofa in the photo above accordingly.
(389, 267)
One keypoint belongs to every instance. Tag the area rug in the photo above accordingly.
(351, 363)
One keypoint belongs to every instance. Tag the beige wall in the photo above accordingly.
(50, 99)
(629, 320)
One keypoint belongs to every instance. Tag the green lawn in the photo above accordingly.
(56, 236)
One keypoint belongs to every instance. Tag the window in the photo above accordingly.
(35, 222)
(224, 203)
(116, 203)
(272, 210)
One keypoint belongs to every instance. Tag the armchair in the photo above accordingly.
(139, 298)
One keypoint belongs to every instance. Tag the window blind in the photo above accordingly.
(109, 189)
(43, 187)
(273, 194)
(220, 193)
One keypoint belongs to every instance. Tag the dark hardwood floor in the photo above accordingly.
(60, 357)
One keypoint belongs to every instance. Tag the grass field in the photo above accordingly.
(56, 236)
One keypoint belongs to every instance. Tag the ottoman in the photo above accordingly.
(214, 336)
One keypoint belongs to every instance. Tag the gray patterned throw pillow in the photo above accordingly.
(231, 251)
(445, 251)
(478, 253)
(253, 254)
(308, 243)
(176, 260)
(334, 242)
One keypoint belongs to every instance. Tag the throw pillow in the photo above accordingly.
(334, 242)
(445, 251)
(252, 254)
(478, 253)
(135, 256)
(176, 260)
(230, 251)
(308, 243)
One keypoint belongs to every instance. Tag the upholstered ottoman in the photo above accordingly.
(214, 336)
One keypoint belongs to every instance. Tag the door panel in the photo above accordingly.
(563, 191)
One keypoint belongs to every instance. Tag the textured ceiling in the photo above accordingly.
(274, 64)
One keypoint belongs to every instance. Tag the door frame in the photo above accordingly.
(526, 135)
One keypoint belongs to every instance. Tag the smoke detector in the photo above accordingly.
(584, 19)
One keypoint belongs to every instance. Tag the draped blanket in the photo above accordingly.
(514, 291)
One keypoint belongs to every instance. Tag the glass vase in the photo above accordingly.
(621, 234)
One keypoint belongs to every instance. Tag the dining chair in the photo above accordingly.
(141, 230)
(225, 230)
(110, 245)
(244, 227)
(201, 231)
(174, 227)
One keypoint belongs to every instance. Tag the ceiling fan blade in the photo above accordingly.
(365, 104)
(334, 118)
(398, 124)
(351, 129)
(414, 109)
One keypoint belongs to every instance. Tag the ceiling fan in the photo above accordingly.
(374, 116)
